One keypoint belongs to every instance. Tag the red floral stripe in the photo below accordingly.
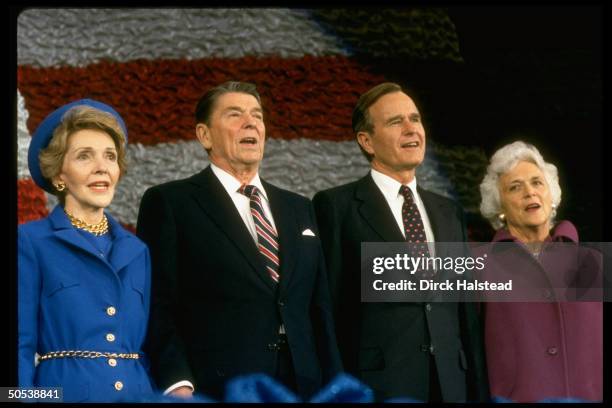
(31, 201)
(308, 97)
(129, 227)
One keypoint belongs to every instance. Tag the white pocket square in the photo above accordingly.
(308, 232)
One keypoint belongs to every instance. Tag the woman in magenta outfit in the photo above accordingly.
(536, 350)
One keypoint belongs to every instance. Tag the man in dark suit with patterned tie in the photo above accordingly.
(424, 351)
(239, 281)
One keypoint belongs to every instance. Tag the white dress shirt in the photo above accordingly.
(390, 189)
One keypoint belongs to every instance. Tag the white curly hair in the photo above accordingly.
(502, 161)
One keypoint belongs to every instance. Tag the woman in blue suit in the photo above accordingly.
(84, 281)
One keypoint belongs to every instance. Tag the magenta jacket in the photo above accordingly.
(537, 351)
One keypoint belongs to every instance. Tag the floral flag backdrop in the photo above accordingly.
(152, 65)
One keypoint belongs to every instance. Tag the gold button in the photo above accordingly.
(111, 311)
(118, 385)
(110, 337)
(112, 362)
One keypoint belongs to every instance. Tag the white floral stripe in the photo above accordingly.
(78, 37)
(23, 138)
(303, 166)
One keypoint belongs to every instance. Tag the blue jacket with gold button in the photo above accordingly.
(71, 297)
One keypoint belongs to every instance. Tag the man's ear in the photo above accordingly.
(203, 134)
(365, 141)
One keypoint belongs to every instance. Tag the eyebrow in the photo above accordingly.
(522, 181)
(90, 149)
(238, 108)
(400, 116)
(392, 118)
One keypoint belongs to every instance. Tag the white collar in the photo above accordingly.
(231, 183)
(390, 187)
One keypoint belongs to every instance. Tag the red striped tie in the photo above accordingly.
(267, 238)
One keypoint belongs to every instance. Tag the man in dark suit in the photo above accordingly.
(239, 282)
(425, 351)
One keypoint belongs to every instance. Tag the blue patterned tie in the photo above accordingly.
(267, 238)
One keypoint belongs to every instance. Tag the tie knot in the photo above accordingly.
(406, 192)
(248, 190)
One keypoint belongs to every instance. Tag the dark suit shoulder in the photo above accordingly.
(339, 197)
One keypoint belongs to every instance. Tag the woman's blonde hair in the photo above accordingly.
(78, 118)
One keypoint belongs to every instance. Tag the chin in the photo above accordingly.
(252, 160)
(102, 203)
(537, 224)
(411, 164)
(413, 160)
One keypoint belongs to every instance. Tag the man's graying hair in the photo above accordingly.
(362, 122)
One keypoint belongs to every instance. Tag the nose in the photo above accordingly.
(408, 128)
(249, 121)
(101, 166)
(529, 190)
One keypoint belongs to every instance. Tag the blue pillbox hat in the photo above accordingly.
(43, 134)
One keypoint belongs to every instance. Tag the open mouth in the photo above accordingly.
(248, 140)
(533, 207)
(410, 144)
(99, 185)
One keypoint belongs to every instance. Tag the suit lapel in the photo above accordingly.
(375, 210)
(220, 208)
(64, 231)
(287, 229)
(125, 247)
(439, 214)
(444, 224)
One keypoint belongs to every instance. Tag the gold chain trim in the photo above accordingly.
(98, 229)
(87, 354)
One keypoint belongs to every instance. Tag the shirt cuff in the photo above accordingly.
(173, 387)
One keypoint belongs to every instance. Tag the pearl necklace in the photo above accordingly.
(98, 229)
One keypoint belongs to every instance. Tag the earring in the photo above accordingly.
(502, 217)
(553, 213)
(60, 186)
